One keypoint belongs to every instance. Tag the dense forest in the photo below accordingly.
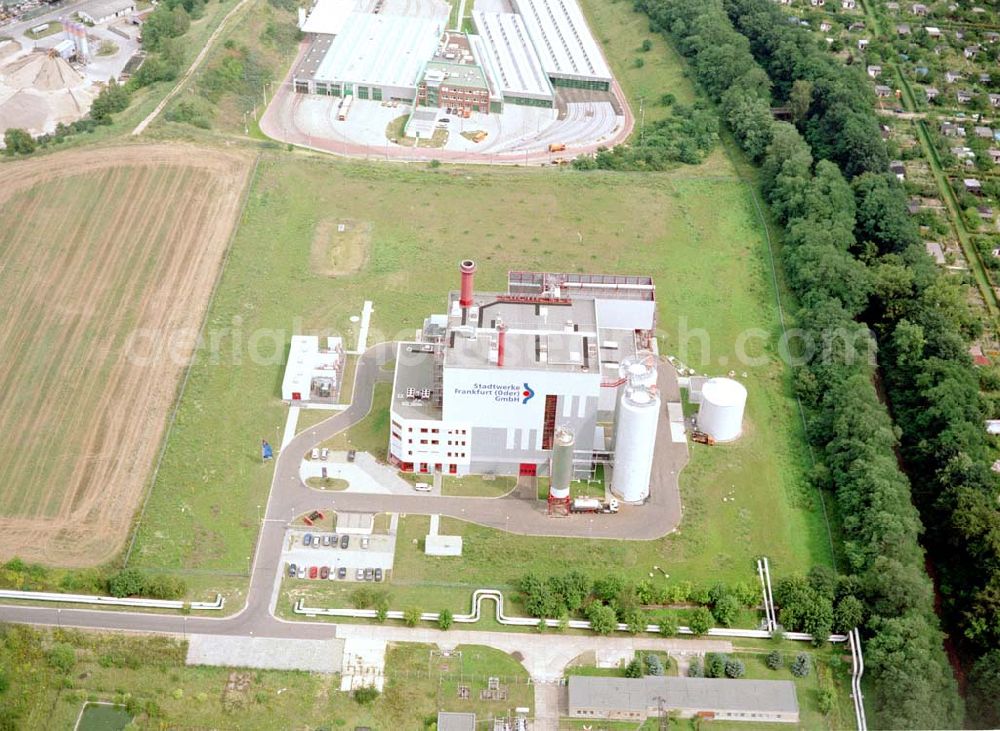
(856, 263)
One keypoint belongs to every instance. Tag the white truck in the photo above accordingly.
(593, 505)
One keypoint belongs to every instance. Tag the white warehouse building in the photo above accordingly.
(313, 373)
(485, 386)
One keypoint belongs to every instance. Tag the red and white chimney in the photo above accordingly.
(468, 269)
(501, 342)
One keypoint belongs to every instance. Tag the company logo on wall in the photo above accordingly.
(508, 392)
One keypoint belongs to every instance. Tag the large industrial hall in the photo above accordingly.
(385, 49)
(492, 380)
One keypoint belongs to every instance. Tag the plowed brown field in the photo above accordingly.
(104, 254)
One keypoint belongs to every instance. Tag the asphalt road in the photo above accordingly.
(289, 497)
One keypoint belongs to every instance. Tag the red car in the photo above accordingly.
(312, 572)
(324, 573)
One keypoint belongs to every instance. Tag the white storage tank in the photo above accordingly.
(639, 369)
(562, 463)
(635, 441)
(721, 412)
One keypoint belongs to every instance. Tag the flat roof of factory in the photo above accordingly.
(457, 74)
(381, 50)
(540, 335)
(602, 286)
(327, 17)
(563, 39)
(505, 50)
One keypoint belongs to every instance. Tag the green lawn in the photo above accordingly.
(468, 486)
(54, 26)
(620, 30)
(202, 510)
(328, 483)
(149, 676)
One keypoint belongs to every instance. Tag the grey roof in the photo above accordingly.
(104, 8)
(456, 721)
(694, 694)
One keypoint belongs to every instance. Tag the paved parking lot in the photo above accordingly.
(378, 555)
(364, 474)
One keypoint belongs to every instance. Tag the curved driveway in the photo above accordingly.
(660, 515)
(290, 497)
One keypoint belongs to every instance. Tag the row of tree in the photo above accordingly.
(16, 574)
(923, 327)
(687, 135)
(609, 600)
(835, 277)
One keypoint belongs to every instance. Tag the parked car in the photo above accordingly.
(345, 541)
(323, 454)
(315, 453)
(351, 454)
(312, 572)
(422, 487)
(307, 539)
(326, 540)
(359, 575)
(302, 572)
(292, 571)
(334, 541)
(342, 573)
(316, 542)
(364, 542)
(324, 572)
(378, 574)
(369, 574)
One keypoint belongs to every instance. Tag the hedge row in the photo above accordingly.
(836, 277)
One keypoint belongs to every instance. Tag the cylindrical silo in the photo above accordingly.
(635, 440)
(639, 369)
(721, 412)
(562, 463)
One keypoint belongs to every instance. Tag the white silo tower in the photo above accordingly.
(562, 464)
(639, 369)
(635, 440)
(721, 412)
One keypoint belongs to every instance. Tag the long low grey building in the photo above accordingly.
(636, 699)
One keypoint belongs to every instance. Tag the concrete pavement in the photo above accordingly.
(544, 656)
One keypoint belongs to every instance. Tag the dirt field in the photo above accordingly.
(336, 253)
(105, 254)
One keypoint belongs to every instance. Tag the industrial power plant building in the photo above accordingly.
(486, 384)
(385, 50)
